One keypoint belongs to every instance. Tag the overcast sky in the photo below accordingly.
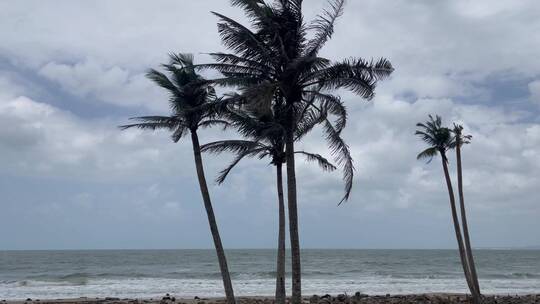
(71, 71)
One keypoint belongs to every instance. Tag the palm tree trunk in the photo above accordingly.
(280, 271)
(229, 294)
(468, 249)
(296, 297)
(457, 229)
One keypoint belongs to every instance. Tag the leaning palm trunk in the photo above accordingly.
(280, 271)
(468, 249)
(457, 228)
(212, 220)
(296, 297)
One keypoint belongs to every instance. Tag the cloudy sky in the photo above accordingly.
(71, 71)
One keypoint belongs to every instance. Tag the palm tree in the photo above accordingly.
(279, 57)
(440, 139)
(266, 139)
(194, 105)
(460, 140)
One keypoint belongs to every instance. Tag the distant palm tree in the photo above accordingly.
(461, 140)
(441, 139)
(194, 105)
(266, 140)
(279, 57)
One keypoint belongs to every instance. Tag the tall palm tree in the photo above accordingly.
(461, 140)
(266, 139)
(194, 105)
(440, 139)
(279, 56)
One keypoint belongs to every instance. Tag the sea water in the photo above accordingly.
(188, 273)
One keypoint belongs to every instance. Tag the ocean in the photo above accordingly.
(188, 273)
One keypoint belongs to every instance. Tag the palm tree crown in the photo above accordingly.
(440, 139)
(265, 138)
(460, 139)
(192, 99)
(277, 57)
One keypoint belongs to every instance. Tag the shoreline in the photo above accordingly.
(358, 298)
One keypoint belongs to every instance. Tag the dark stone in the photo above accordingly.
(196, 298)
(360, 295)
(342, 297)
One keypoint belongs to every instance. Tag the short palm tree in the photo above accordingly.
(194, 105)
(460, 140)
(441, 139)
(279, 57)
(265, 140)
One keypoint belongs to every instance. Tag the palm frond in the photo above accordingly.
(356, 75)
(236, 81)
(323, 25)
(321, 161)
(153, 123)
(233, 146)
(253, 8)
(428, 154)
(342, 155)
(147, 126)
(214, 122)
(231, 69)
(225, 172)
(162, 80)
(182, 59)
(241, 40)
(333, 105)
(235, 59)
(382, 68)
(309, 119)
(180, 131)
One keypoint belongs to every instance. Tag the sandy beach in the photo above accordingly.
(358, 298)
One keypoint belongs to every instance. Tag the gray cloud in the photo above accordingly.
(89, 181)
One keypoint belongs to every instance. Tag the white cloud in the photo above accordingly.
(39, 139)
(501, 161)
(113, 85)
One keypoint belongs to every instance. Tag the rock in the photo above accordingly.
(342, 297)
(359, 295)
(196, 298)
(325, 301)
(314, 299)
(28, 299)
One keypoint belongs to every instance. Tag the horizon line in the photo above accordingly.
(288, 249)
